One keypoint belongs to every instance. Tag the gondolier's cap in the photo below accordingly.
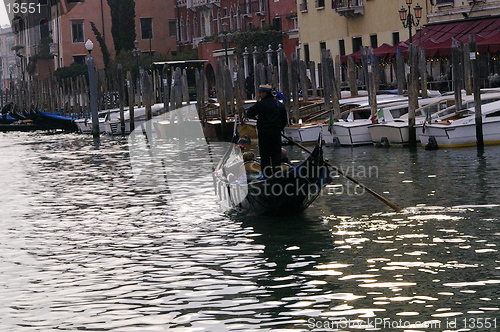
(265, 87)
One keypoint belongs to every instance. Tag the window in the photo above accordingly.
(195, 26)
(341, 47)
(373, 41)
(147, 28)
(231, 20)
(303, 6)
(395, 38)
(320, 3)
(322, 46)
(357, 42)
(203, 27)
(277, 23)
(307, 56)
(172, 29)
(80, 59)
(77, 31)
(44, 29)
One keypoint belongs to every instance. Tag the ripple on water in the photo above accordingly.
(84, 247)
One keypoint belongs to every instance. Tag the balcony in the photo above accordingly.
(350, 8)
(202, 4)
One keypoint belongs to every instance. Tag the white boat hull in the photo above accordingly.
(396, 132)
(463, 134)
(352, 133)
(85, 126)
(114, 127)
(303, 134)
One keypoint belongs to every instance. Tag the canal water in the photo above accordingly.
(85, 244)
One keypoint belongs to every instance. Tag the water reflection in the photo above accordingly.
(83, 247)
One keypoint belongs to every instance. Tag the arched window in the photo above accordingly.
(238, 19)
(44, 29)
(203, 28)
(219, 23)
(195, 27)
(231, 19)
(211, 25)
(181, 29)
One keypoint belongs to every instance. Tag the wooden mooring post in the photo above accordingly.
(477, 96)
(413, 87)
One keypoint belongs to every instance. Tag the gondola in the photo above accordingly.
(54, 121)
(287, 192)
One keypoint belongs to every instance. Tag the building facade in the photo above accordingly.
(58, 33)
(33, 36)
(8, 68)
(343, 26)
(206, 25)
(448, 10)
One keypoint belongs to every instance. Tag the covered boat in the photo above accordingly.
(289, 191)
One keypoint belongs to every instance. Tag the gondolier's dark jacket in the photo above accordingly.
(271, 114)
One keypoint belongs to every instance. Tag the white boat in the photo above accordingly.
(462, 132)
(308, 132)
(393, 126)
(396, 131)
(113, 126)
(85, 125)
(353, 130)
(303, 133)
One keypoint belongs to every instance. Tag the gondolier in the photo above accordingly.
(271, 119)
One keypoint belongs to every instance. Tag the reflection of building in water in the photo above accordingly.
(8, 69)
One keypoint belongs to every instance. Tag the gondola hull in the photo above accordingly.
(53, 121)
(286, 192)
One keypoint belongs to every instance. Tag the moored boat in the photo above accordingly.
(85, 124)
(396, 131)
(113, 125)
(54, 121)
(462, 132)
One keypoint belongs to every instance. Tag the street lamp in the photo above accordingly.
(225, 34)
(408, 19)
(89, 46)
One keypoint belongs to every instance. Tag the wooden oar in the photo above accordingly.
(347, 176)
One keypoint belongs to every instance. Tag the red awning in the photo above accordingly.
(438, 38)
(383, 52)
(489, 45)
